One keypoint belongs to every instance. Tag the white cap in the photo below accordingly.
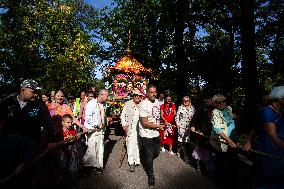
(137, 92)
(30, 83)
(277, 92)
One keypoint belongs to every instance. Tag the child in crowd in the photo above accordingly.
(68, 156)
(203, 156)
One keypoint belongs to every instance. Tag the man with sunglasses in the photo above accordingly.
(29, 117)
(129, 121)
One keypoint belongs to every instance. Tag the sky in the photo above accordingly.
(99, 4)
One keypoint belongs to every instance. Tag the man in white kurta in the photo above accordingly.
(95, 119)
(129, 121)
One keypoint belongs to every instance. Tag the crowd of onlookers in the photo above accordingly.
(216, 131)
(42, 137)
(45, 139)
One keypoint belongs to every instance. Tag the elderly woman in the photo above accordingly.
(222, 137)
(183, 119)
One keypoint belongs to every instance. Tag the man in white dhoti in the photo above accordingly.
(95, 119)
(129, 121)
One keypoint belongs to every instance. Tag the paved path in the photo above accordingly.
(170, 172)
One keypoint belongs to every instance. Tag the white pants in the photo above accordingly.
(94, 155)
(133, 155)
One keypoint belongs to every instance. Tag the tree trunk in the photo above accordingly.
(182, 79)
(249, 65)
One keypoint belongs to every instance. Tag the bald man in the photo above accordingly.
(95, 119)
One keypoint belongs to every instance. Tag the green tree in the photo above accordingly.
(165, 39)
(50, 41)
(270, 40)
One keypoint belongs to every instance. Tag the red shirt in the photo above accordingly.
(68, 133)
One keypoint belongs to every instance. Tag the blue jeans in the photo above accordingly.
(150, 149)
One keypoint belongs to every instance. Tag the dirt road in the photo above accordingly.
(170, 172)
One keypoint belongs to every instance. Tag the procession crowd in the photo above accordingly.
(47, 140)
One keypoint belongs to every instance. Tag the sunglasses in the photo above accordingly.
(138, 96)
(186, 101)
(220, 102)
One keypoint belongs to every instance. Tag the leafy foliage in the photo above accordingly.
(49, 41)
(192, 46)
(208, 49)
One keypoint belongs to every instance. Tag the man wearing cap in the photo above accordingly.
(129, 121)
(271, 140)
(27, 116)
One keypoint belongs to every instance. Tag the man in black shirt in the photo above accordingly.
(28, 117)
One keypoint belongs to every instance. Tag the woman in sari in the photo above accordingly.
(59, 108)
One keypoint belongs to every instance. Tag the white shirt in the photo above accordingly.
(94, 114)
(21, 103)
(150, 110)
(161, 101)
(130, 113)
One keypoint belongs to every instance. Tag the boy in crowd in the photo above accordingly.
(68, 158)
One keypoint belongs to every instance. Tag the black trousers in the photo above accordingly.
(150, 149)
(226, 168)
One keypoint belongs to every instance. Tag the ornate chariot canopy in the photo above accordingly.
(127, 75)
(130, 65)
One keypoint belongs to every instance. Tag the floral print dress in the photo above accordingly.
(183, 119)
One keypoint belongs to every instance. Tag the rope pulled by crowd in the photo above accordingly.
(240, 147)
(22, 167)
